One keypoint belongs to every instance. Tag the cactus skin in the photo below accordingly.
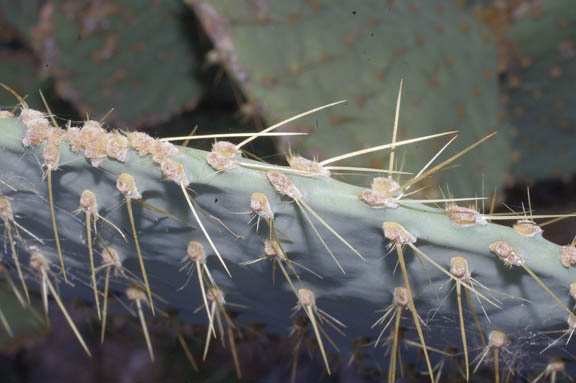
(540, 81)
(19, 15)
(352, 298)
(21, 68)
(287, 56)
(101, 54)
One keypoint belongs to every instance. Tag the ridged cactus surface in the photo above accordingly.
(287, 56)
(371, 241)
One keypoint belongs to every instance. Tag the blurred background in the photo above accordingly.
(169, 66)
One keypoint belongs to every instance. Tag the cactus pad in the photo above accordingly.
(499, 263)
(289, 56)
(112, 53)
(537, 92)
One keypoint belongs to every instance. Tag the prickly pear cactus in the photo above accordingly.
(135, 216)
(288, 56)
(538, 88)
(101, 55)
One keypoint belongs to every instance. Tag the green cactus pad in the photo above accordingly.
(541, 81)
(525, 309)
(291, 56)
(22, 70)
(102, 54)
